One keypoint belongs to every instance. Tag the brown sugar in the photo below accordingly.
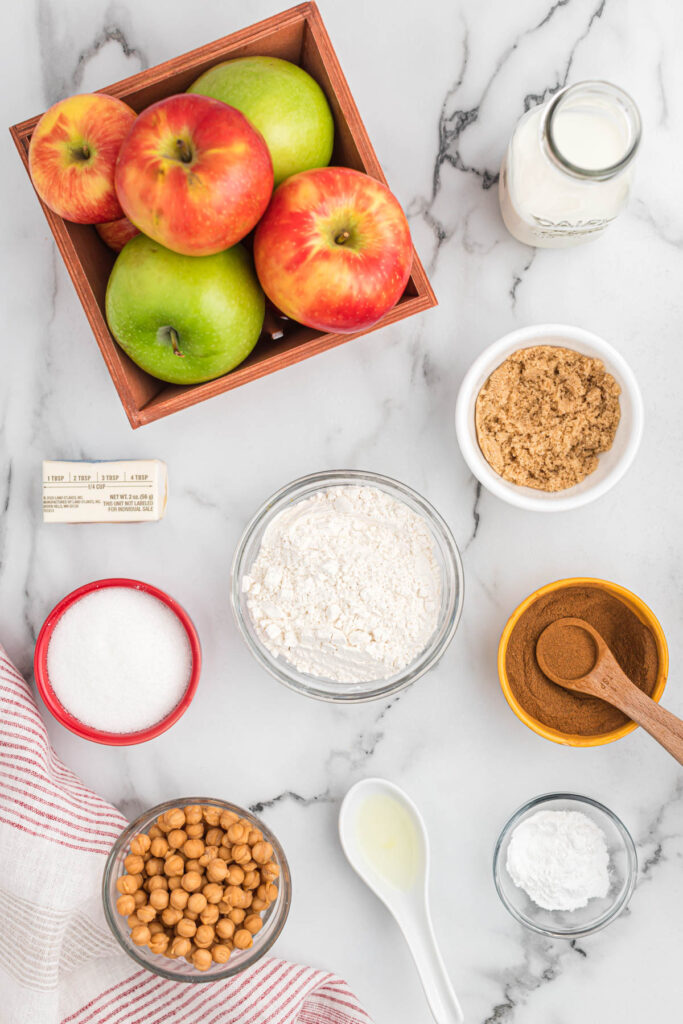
(544, 416)
(630, 640)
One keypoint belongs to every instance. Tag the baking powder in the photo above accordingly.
(560, 859)
(346, 585)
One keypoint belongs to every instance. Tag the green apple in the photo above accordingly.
(283, 102)
(184, 319)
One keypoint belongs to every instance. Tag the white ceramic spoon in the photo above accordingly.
(385, 840)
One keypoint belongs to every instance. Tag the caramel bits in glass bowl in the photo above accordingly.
(196, 890)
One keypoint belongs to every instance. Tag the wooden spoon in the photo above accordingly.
(574, 655)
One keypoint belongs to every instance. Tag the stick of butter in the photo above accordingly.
(104, 492)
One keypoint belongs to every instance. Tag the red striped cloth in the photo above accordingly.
(58, 962)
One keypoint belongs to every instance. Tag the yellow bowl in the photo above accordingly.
(637, 606)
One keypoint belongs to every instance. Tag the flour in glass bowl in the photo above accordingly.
(346, 585)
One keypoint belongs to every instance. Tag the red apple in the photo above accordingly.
(333, 249)
(115, 233)
(72, 156)
(194, 175)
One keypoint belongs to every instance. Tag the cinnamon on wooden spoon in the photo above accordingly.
(573, 654)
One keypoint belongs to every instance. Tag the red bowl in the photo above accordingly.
(115, 739)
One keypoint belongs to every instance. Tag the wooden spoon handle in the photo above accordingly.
(664, 727)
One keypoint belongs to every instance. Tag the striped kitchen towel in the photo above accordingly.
(58, 961)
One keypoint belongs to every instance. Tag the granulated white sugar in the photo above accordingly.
(119, 660)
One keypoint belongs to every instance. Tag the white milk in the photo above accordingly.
(568, 168)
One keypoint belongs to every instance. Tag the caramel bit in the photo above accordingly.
(544, 416)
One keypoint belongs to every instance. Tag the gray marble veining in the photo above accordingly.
(440, 86)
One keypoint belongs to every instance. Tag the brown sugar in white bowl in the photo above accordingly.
(612, 464)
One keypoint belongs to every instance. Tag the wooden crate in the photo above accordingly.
(297, 35)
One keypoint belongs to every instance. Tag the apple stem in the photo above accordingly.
(184, 151)
(342, 237)
(174, 341)
(81, 152)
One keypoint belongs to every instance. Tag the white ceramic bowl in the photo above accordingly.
(612, 464)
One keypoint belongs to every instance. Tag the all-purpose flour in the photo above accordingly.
(346, 585)
(560, 859)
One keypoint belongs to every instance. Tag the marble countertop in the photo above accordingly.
(440, 86)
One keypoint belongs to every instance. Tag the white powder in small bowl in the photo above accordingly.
(560, 859)
(119, 660)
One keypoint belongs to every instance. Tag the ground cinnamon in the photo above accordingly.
(566, 651)
(630, 640)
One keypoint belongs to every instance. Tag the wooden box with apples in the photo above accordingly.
(297, 36)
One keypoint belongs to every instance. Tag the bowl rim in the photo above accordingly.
(637, 606)
(278, 668)
(629, 847)
(487, 361)
(69, 721)
(284, 889)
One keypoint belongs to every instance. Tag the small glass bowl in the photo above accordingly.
(570, 924)
(179, 969)
(447, 556)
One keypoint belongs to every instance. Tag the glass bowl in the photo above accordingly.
(599, 912)
(179, 969)
(446, 554)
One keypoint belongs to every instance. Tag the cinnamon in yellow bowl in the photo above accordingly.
(628, 627)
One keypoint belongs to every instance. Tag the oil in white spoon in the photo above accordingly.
(388, 839)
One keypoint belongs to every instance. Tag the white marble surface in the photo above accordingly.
(440, 87)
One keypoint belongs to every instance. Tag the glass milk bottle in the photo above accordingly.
(568, 168)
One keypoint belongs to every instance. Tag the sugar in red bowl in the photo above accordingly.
(117, 633)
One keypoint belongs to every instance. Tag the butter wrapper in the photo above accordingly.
(104, 492)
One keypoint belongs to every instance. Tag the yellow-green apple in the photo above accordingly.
(115, 233)
(72, 156)
(333, 249)
(280, 99)
(193, 174)
(184, 319)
